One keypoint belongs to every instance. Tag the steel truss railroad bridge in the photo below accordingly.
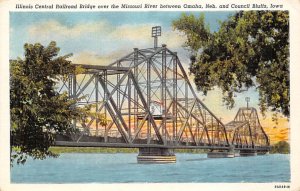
(150, 104)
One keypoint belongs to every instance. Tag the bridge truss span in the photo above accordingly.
(246, 131)
(147, 99)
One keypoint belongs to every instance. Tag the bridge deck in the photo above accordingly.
(125, 145)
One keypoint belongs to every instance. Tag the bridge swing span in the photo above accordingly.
(150, 104)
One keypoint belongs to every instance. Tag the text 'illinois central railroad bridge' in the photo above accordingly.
(149, 103)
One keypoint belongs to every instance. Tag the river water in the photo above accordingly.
(123, 168)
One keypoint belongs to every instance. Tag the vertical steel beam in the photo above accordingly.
(118, 90)
(186, 96)
(129, 107)
(135, 72)
(70, 94)
(74, 85)
(212, 130)
(163, 90)
(74, 94)
(97, 101)
(148, 98)
(175, 96)
(105, 100)
(70, 85)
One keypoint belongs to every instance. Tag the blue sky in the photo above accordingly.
(102, 37)
(22, 25)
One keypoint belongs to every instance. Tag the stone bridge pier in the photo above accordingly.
(156, 155)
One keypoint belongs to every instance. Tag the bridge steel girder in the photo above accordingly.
(246, 124)
(124, 92)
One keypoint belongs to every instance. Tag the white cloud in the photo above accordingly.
(102, 32)
(94, 58)
(101, 43)
(173, 39)
(132, 32)
(142, 35)
(55, 29)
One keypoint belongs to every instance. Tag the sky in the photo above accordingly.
(102, 37)
(101, 33)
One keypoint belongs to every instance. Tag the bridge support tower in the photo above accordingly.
(156, 155)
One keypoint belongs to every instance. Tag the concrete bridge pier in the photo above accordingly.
(220, 154)
(237, 153)
(156, 155)
(230, 153)
(248, 153)
(262, 152)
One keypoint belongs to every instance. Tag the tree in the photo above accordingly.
(282, 147)
(250, 49)
(37, 110)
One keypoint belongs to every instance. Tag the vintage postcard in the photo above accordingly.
(149, 95)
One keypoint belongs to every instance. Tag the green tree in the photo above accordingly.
(282, 147)
(37, 110)
(250, 49)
